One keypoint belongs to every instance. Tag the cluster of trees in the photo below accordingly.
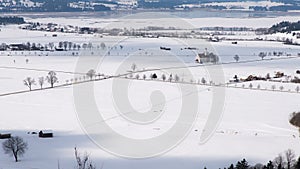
(162, 3)
(285, 160)
(4, 20)
(284, 7)
(285, 26)
(63, 45)
(51, 78)
(51, 6)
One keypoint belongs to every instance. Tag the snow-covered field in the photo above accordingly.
(165, 19)
(254, 124)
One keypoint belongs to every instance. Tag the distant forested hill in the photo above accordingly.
(54, 5)
(106, 5)
(285, 27)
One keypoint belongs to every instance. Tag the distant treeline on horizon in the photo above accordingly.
(4, 20)
(107, 5)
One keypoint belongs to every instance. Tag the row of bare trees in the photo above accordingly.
(51, 78)
(203, 81)
(273, 87)
(262, 55)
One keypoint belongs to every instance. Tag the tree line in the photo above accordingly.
(285, 160)
(4, 20)
(284, 26)
(60, 46)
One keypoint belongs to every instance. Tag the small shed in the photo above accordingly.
(46, 134)
(5, 136)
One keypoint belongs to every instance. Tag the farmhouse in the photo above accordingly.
(17, 47)
(207, 57)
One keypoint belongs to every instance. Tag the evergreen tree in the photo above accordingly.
(270, 165)
(279, 166)
(242, 164)
(297, 164)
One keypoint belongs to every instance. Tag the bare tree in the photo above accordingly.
(65, 45)
(163, 77)
(15, 146)
(70, 45)
(297, 89)
(90, 45)
(170, 78)
(52, 78)
(290, 158)
(262, 55)
(268, 76)
(102, 45)
(91, 73)
(279, 162)
(133, 67)
(273, 87)
(41, 82)
(176, 78)
(83, 162)
(84, 46)
(236, 58)
(51, 45)
(137, 76)
(203, 81)
(258, 86)
(281, 88)
(29, 82)
(250, 85)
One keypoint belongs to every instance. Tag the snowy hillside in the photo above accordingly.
(252, 120)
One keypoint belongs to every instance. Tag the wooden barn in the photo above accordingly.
(5, 136)
(46, 134)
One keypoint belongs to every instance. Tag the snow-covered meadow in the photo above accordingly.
(254, 123)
